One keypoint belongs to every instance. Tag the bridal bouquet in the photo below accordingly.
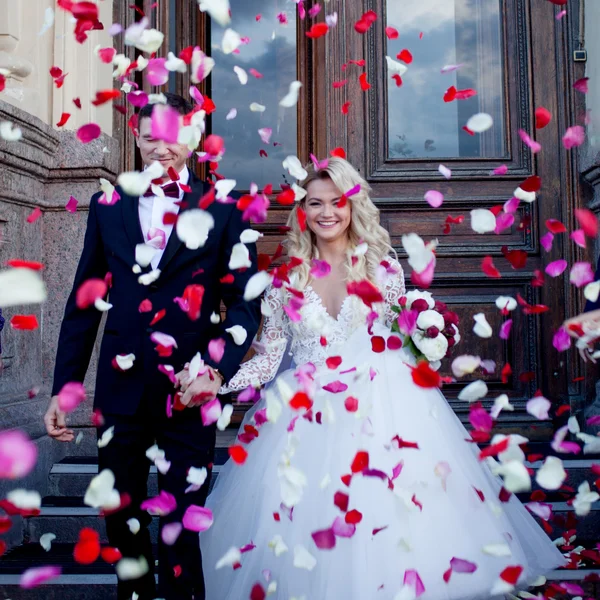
(428, 328)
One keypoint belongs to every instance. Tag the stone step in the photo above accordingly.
(98, 582)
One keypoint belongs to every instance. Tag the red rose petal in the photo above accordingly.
(87, 549)
(364, 84)
(377, 344)
(542, 117)
(88, 133)
(353, 517)
(89, 291)
(488, 267)
(588, 221)
(24, 322)
(111, 555)
(424, 376)
(238, 454)
(392, 34)
(341, 500)
(338, 152)
(317, 30)
(63, 119)
(25, 264)
(301, 400)
(511, 574)
(405, 56)
(351, 404)
(333, 362)
(360, 462)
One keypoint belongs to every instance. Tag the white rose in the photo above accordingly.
(433, 348)
(430, 318)
(418, 295)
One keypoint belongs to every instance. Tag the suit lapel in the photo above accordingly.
(131, 218)
(190, 200)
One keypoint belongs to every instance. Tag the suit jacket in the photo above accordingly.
(112, 233)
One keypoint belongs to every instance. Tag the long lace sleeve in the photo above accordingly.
(394, 288)
(262, 367)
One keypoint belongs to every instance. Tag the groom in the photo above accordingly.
(135, 402)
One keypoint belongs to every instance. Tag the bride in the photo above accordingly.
(357, 483)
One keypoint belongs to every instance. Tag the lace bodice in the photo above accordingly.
(316, 335)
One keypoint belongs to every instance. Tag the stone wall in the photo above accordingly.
(43, 170)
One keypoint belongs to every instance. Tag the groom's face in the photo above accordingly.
(153, 150)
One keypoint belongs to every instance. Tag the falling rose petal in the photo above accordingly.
(573, 137)
(551, 475)
(90, 291)
(238, 454)
(578, 236)
(71, 205)
(36, 576)
(413, 580)
(156, 72)
(210, 411)
(88, 133)
(501, 170)
(529, 142)
(18, 454)
(542, 117)
(581, 274)
(170, 532)
(482, 328)
(24, 322)
(588, 222)
(391, 33)
(71, 395)
(480, 122)
(165, 123)
(303, 559)
(504, 221)
(561, 340)
(131, 568)
(216, 349)
(483, 220)
(324, 539)
(556, 268)
(434, 198)
(193, 227)
(546, 241)
(581, 85)
(424, 376)
(505, 328)
(460, 565)
(538, 407)
(291, 98)
(445, 171)
(488, 267)
(476, 390)
(320, 268)
(197, 518)
(265, 134)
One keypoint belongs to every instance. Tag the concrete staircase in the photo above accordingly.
(64, 514)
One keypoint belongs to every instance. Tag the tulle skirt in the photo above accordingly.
(395, 480)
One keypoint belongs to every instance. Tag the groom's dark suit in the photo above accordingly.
(134, 401)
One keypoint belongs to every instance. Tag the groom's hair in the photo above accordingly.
(179, 103)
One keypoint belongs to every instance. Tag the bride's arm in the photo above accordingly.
(394, 287)
(262, 367)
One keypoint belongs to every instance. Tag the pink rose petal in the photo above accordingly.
(546, 241)
(459, 565)
(71, 205)
(36, 576)
(165, 123)
(504, 221)
(160, 505)
(501, 170)
(324, 539)
(434, 198)
(556, 268)
(216, 349)
(335, 387)
(574, 136)
(505, 329)
(529, 142)
(511, 206)
(138, 99)
(170, 532)
(412, 579)
(407, 321)
(197, 518)
(581, 274)
(156, 72)
(581, 85)
(71, 396)
(211, 411)
(342, 529)
(561, 340)
(157, 238)
(18, 454)
(578, 236)
(480, 419)
(424, 278)
(88, 133)
(320, 268)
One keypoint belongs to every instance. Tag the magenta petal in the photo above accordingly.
(581, 85)
(353, 191)
(71, 205)
(572, 589)
(165, 123)
(505, 329)
(196, 95)
(216, 349)
(595, 420)
(424, 278)
(561, 340)
(556, 268)
(411, 578)
(501, 170)
(546, 241)
(170, 532)
(324, 539)
(407, 321)
(71, 396)
(169, 371)
(18, 454)
(37, 575)
(335, 387)
(342, 529)
(581, 274)
(211, 411)
(434, 198)
(460, 565)
(574, 136)
(197, 518)
(530, 143)
(578, 236)
(137, 99)
(88, 133)
(160, 505)
(504, 221)
(156, 72)
(320, 268)
(511, 206)
(480, 419)
(397, 470)
(247, 548)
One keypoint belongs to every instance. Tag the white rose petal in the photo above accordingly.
(498, 550)
(250, 236)
(294, 167)
(521, 194)
(224, 187)
(501, 403)
(515, 474)
(154, 452)
(134, 525)
(106, 437)
(101, 491)
(591, 291)
(278, 545)
(291, 98)
(274, 406)
(231, 41)
(395, 67)
(256, 285)
(175, 64)
(474, 391)
(125, 361)
(148, 278)
(241, 75)
(238, 333)
(202, 65)
(232, 557)
(420, 254)
(24, 499)
(240, 257)
(480, 122)
(299, 192)
(193, 227)
(215, 319)
(9, 132)
(217, 9)
(256, 107)
(303, 559)
(196, 477)
(482, 328)
(506, 302)
(144, 253)
(539, 407)
(46, 540)
(483, 220)
(584, 499)
(102, 305)
(131, 568)
(551, 474)
(325, 481)
(225, 417)
(21, 286)
(465, 365)
(46, 25)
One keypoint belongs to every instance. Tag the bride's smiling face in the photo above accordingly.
(324, 216)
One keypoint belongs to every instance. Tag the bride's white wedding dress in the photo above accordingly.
(423, 499)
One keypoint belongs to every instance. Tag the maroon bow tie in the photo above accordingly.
(171, 190)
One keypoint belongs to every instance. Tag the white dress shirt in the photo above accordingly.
(152, 209)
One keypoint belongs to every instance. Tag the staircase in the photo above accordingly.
(64, 514)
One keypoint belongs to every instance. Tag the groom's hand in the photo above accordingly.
(204, 388)
(56, 423)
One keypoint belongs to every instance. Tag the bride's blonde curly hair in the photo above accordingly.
(364, 226)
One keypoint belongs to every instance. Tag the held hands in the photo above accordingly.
(586, 322)
(56, 423)
(201, 389)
